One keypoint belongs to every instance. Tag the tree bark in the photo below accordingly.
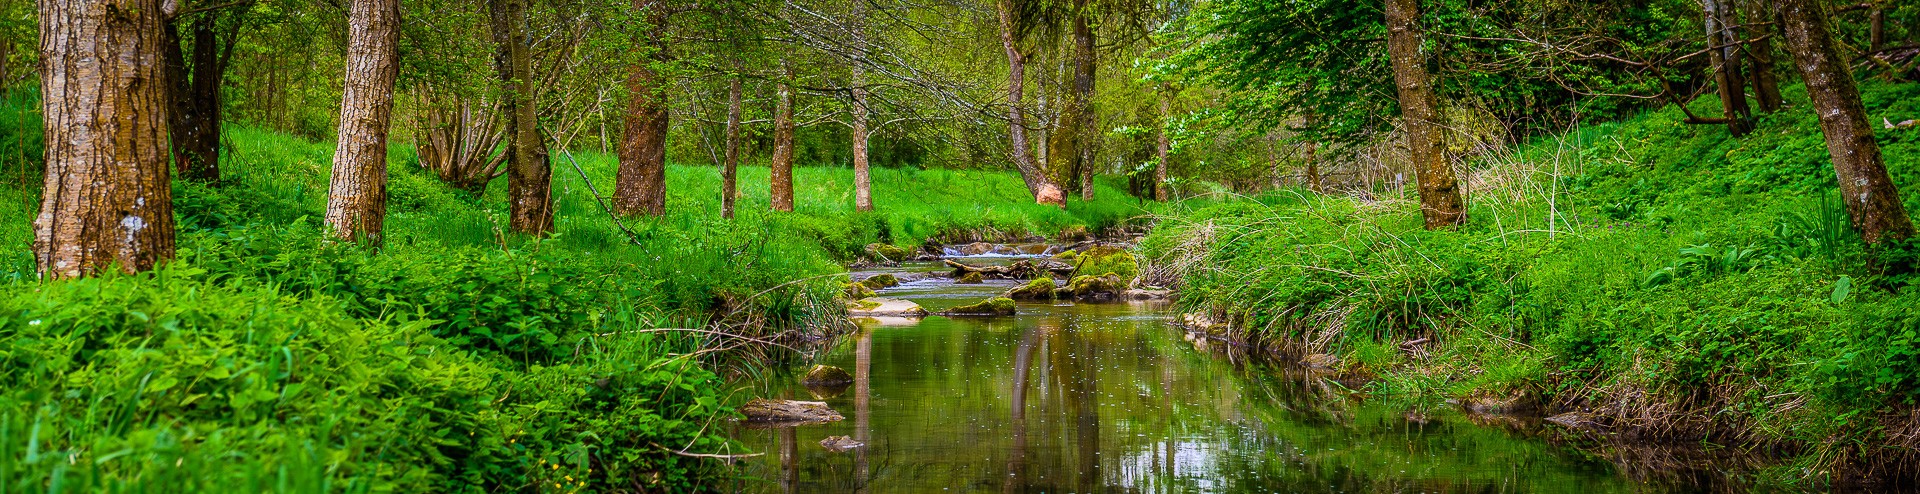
(529, 174)
(1766, 82)
(107, 199)
(357, 199)
(1165, 145)
(1044, 190)
(782, 165)
(640, 185)
(1724, 55)
(196, 99)
(862, 179)
(1871, 198)
(1439, 193)
(1068, 151)
(730, 170)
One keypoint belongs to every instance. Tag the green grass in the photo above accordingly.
(455, 358)
(1681, 284)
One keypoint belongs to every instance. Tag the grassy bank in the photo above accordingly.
(456, 358)
(1667, 281)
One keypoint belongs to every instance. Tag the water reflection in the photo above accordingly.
(1107, 398)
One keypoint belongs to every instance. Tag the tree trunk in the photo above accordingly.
(357, 199)
(1067, 151)
(730, 170)
(1044, 190)
(1876, 29)
(107, 199)
(455, 139)
(1439, 192)
(862, 180)
(1724, 55)
(782, 165)
(640, 186)
(1872, 201)
(1165, 146)
(196, 99)
(529, 174)
(1766, 83)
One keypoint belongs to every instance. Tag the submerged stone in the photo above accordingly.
(826, 375)
(882, 280)
(840, 444)
(973, 278)
(884, 307)
(997, 306)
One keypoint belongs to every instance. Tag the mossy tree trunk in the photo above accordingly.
(107, 198)
(640, 185)
(529, 173)
(782, 162)
(357, 197)
(1439, 193)
(1871, 198)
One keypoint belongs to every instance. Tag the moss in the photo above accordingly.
(880, 251)
(973, 278)
(997, 306)
(859, 291)
(1101, 260)
(1038, 289)
(879, 281)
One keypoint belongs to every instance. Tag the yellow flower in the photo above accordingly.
(556, 466)
(569, 478)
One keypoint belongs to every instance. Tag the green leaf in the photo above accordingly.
(1841, 289)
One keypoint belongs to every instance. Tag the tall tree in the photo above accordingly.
(1439, 192)
(730, 170)
(196, 77)
(1723, 52)
(1871, 198)
(107, 198)
(1164, 146)
(782, 162)
(1043, 188)
(357, 197)
(862, 178)
(1766, 82)
(640, 185)
(529, 173)
(1070, 151)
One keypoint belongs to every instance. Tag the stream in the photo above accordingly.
(1111, 397)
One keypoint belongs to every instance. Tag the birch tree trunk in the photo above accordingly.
(357, 198)
(529, 174)
(1871, 198)
(640, 185)
(107, 199)
(1439, 192)
(1044, 190)
(782, 164)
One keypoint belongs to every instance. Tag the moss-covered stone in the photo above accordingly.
(1103, 287)
(826, 375)
(997, 306)
(1038, 289)
(972, 278)
(1101, 260)
(857, 291)
(886, 252)
(881, 280)
(1076, 233)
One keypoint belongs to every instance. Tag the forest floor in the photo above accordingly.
(1663, 283)
(457, 356)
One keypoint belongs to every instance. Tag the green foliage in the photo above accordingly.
(1102, 260)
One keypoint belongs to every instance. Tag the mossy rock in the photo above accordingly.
(1090, 287)
(997, 306)
(1076, 233)
(857, 291)
(1038, 289)
(972, 278)
(887, 252)
(881, 280)
(1066, 256)
(826, 375)
(1101, 260)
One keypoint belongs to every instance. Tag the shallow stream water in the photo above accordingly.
(1112, 398)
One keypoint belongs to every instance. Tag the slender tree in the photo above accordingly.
(1723, 52)
(357, 198)
(529, 173)
(1766, 82)
(862, 179)
(1043, 188)
(1439, 192)
(1871, 198)
(640, 185)
(782, 162)
(1071, 142)
(1164, 147)
(107, 199)
(196, 78)
(730, 170)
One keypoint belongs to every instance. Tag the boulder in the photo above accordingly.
(885, 252)
(972, 278)
(1038, 289)
(976, 248)
(1101, 260)
(997, 306)
(857, 291)
(884, 307)
(766, 410)
(1076, 233)
(1147, 294)
(1096, 288)
(882, 280)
